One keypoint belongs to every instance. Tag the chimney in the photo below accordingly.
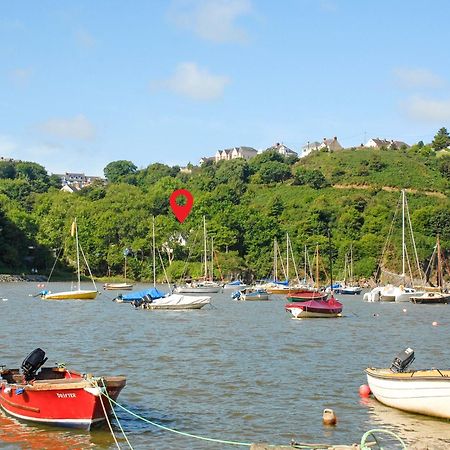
(324, 139)
(335, 138)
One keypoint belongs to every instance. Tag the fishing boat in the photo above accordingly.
(55, 395)
(207, 285)
(423, 391)
(78, 293)
(249, 294)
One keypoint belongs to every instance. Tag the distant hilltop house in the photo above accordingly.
(3, 159)
(72, 182)
(283, 149)
(231, 153)
(378, 143)
(330, 144)
(309, 147)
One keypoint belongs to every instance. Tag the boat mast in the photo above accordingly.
(154, 251)
(275, 261)
(125, 267)
(205, 249)
(331, 261)
(351, 263)
(317, 266)
(212, 258)
(403, 235)
(439, 265)
(78, 253)
(287, 256)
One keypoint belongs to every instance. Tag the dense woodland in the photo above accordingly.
(352, 192)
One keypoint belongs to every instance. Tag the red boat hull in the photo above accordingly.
(69, 402)
(304, 296)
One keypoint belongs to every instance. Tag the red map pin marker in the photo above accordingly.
(181, 211)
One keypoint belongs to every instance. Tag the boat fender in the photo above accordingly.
(364, 391)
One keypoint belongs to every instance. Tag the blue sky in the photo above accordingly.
(85, 83)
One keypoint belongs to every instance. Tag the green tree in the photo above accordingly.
(310, 177)
(7, 170)
(274, 171)
(441, 139)
(117, 170)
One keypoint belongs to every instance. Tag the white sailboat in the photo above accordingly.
(207, 285)
(120, 286)
(153, 299)
(349, 288)
(77, 294)
(401, 292)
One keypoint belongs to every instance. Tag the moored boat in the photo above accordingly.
(250, 294)
(315, 308)
(349, 290)
(423, 391)
(305, 295)
(56, 395)
(428, 298)
(117, 286)
(173, 302)
(236, 284)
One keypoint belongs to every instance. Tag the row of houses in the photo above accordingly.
(328, 144)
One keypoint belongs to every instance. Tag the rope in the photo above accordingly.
(220, 441)
(370, 432)
(115, 415)
(106, 414)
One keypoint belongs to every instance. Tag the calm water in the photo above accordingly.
(240, 371)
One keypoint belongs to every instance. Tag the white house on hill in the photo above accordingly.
(283, 149)
(330, 144)
(378, 143)
(235, 152)
(309, 147)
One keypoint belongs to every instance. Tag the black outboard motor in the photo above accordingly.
(32, 363)
(403, 360)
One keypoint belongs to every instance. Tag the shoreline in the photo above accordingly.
(8, 278)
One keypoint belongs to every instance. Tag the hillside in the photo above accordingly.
(247, 205)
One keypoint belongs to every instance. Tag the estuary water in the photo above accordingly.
(235, 371)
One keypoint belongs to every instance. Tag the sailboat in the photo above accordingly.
(400, 293)
(350, 288)
(207, 285)
(153, 299)
(77, 294)
(320, 308)
(438, 295)
(120, 286)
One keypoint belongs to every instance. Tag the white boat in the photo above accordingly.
(398, 294)
(174, 302)
(418, 391)
(117, 286)
(77, 294)
(237, 284)
(250, 294)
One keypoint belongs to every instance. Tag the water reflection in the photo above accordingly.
(414, 428)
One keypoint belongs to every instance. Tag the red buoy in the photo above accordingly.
(364, 391)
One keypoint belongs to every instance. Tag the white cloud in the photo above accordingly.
(85, 39)
(428, 110)
(77, 127)
(213, 20)
(417, 78)
(194, 82)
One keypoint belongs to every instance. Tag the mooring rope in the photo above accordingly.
(242, 444)
(182, 433)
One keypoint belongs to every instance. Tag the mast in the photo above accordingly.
(287, 256)
(154, 251)
(125, 268)
(439, 264)
(78, 253)
(331, 261)
(317, 266)
(205, 249)
(275, 265)
(403, 235)
(351, 263)
(212, 258)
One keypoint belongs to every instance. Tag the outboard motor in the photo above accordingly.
(403, 360)
(32, 363)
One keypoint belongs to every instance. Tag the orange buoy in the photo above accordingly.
(329, 417)
(364, 391)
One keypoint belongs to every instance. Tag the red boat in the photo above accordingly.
(315, 308)
(304, 296)
(55, 395)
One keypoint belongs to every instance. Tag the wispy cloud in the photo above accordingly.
(428, 110)
(194, 82)
(78, 127)
(21, 76)
(213, 20)
(417, 78)
(85, 39)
